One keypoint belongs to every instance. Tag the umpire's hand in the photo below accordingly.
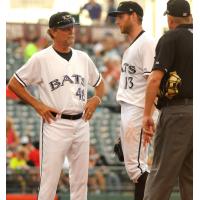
(148, 129)
(90, 107)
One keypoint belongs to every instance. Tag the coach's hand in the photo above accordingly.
(90, 107)
(46, 112)
(148, 129)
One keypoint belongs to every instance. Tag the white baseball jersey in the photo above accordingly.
(62, 84)
(137, 62)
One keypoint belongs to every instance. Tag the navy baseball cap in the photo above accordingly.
(178, 8)
(127, 7)
(61, 20)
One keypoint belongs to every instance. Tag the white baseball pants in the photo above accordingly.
(59, 139)
(135, 155)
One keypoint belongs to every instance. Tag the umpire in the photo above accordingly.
(172, 80)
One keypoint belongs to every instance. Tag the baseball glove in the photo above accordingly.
(118, 150)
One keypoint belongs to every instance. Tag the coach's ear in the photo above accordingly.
(49, 31)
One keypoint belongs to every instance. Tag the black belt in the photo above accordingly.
(71, 117)
(177, 102)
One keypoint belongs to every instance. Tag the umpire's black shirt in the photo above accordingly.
(174, 52)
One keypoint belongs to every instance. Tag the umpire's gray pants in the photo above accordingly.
(173, 155)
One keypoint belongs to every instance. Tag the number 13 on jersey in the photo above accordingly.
(128, 82)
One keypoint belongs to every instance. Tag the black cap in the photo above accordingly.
(61, 20)
(178, 8)
(127, 7)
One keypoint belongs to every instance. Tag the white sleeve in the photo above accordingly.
(147, 53)
(94, 77)
(29, 73)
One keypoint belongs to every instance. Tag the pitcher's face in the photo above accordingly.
(123, 21)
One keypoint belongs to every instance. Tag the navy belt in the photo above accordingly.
(185, 101)
(71, 117)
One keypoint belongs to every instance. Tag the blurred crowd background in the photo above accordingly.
(27, 23)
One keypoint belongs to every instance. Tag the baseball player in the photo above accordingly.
(137, 62)
(62, 75)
